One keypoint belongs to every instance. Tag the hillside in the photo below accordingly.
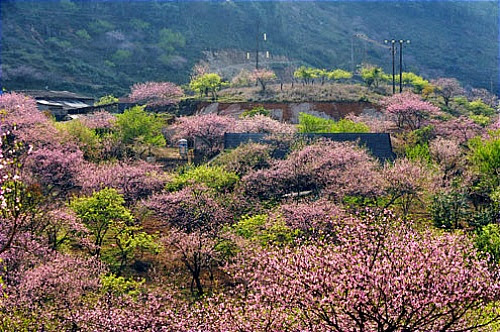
(97, 47)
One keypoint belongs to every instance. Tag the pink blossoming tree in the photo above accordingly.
(207, 130)
(448, 88)
(332, 168)
(382, 275)
(408, 110)
(262, 76)
(134, 180)
(405, 183)
(156, 93)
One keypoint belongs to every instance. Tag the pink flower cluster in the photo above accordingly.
(99, 120)
(190, 209)
(156, 93)
(19, 110)
(408, 110)
(134, 181)
(208, 129)
(460, 129)
(335, 169)
(313, 219)
(55, 169)
(262, 124)
(380, 275)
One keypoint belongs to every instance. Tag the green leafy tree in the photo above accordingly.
(478, 107)
(480, 119)
(215, 177)
(322, 74)
(130, 242)
(83, 34)
(488, 241)
(135, 124)
(339, 74)
(106, 100)
(102, 213)
(373, 75)
(121, 56)
(485, 159)
(206, 83)
(449, 210)
(418, 152)
(264, 230)
(169, 40)
(417, 82)
(117, 285)
(87, 139)
(306, 74)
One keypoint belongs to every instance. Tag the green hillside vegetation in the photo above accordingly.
(99, 48)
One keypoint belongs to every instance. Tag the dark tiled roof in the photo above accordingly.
(379, 144)
(47, 94)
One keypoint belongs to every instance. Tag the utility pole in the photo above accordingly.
(401, 42)
(257, 46)
(257, 43)
(393, 52)
(352, 54)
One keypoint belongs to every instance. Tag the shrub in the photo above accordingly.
(419, 152)
(485, 158)
(136, 124)
(259, 110)
(101, 213)
(214, 177)
(106, 100)
(478, 107)
(449, 210)
(94, 148)
(245, 158)
(313, 124)
(488, 241)
(264, 230)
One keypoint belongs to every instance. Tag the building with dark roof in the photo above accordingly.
(378, 144)
(64, 103)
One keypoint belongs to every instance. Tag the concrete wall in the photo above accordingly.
(289, 112)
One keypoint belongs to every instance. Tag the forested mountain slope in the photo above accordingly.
(98, 47)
